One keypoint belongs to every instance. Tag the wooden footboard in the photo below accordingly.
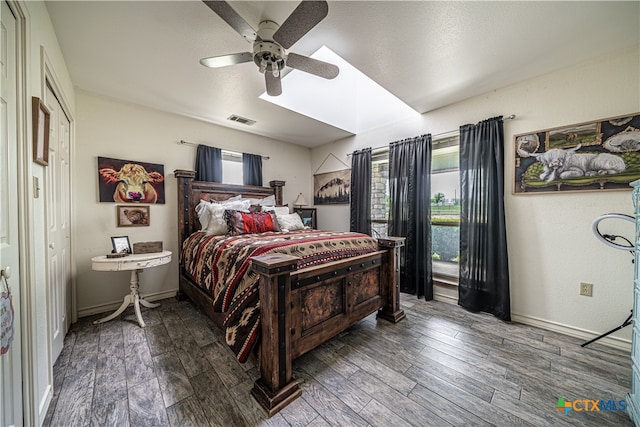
(301, 309)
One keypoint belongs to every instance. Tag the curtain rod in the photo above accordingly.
(183, 142)
(510, 117)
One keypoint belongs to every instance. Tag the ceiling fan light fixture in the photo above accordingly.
(271, 41)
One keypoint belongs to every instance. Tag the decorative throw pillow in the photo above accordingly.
(217, 223)
(248, 223)
(290, 222)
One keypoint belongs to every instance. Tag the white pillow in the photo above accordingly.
(217, 224)
(203, 214)
(230, 199)
(290, 222)
(267, 201)
(206, 209)
(279, 210)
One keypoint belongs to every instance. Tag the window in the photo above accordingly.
(231, 167)
(445, 207)
(445, 203)
(379, 194)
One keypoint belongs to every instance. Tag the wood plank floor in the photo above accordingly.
(441, 366)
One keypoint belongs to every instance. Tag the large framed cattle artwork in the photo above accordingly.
(593, 156)
(129, 181)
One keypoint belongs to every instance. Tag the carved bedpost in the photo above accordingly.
(391, 279)
(275, 388)
(277, 190)
(185, 179)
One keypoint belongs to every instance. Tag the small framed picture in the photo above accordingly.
(121, 245)
(40, 131)
(308, 216)
(132, 216)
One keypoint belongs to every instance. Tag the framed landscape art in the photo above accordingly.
(332, 187)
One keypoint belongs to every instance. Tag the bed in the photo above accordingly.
(302, 302)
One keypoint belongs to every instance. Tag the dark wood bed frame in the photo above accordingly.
(299, 309)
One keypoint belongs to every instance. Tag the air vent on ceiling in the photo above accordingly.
(243, 120)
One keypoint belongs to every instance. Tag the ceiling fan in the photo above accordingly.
(271, 41)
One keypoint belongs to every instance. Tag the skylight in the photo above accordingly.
(352, 101)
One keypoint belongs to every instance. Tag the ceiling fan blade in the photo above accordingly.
(224, 60)
(306, 16)
(231, 17)
(312, 66)
(274, 85)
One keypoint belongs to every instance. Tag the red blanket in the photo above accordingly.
(222, 266)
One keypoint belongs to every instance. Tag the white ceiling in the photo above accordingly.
(428, 54)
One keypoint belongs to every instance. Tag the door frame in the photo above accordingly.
(25, 210)
(49, 77)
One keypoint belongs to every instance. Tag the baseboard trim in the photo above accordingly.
(103, 308)
(445, 298)
(614, 342)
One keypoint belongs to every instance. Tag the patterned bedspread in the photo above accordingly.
(222, 266)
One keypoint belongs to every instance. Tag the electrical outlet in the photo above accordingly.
(586, 289)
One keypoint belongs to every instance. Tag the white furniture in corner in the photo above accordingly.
(136, 263)
(633, 398)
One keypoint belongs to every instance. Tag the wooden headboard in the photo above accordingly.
(190, 192)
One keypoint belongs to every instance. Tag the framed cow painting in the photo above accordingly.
(130, 181)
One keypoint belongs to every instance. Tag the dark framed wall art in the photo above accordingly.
(332, 187)
(41, 122)
(593, 156)
(132, 216)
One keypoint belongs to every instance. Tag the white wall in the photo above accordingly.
(109, 128)
(551, 248)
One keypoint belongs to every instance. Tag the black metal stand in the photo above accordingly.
(624, 324)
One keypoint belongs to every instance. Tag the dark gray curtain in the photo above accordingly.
(361, 191)
(484, 270)
(252, 169)
(208, 164)
(410, 211)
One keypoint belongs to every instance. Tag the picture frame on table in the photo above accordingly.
(121, 245)
(308, 216)
(40, 130)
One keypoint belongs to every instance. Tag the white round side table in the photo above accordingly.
(136, 263)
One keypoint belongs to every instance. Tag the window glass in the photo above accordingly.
(379, 194)
(445, 207)
(231, 167)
